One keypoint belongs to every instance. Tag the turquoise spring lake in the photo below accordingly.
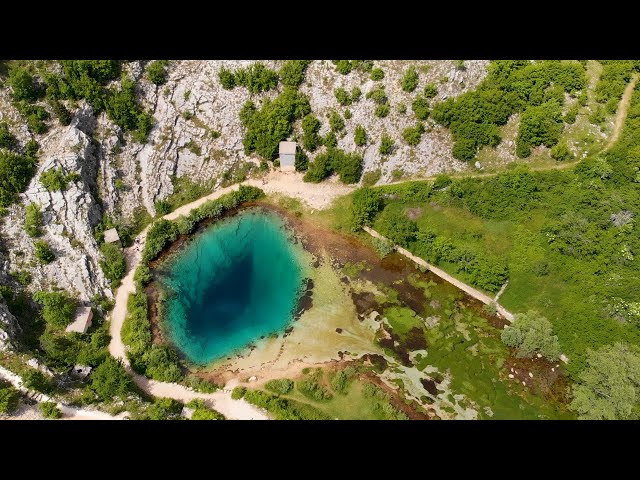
(232, 283)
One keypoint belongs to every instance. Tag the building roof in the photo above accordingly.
(111, 236)
(82, 321)
(287, 148)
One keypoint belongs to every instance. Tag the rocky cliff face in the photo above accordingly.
(118, 176)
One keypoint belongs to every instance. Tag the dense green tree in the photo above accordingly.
(531, 333)
(33, 220)
(15, 174)
(292, 72)
(360, 136)
(609, 387)
(273, 123)
(281, 386)
(109, 380)
(409, 80)
(164, 409)
(60, 111)
(23, 85)
(539, 125)
(57, 307)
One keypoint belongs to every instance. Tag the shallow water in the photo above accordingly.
(238, 280)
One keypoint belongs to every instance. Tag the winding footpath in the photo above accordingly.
(623, 109)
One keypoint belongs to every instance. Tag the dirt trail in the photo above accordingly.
(621, 114)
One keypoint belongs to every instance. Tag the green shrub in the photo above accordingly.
(113, 264)
(284, 408)
(420, 107)
(342, 96)
(378, 95)
(7, 139)
(371, 178)
(382, 111)
(531, 333)
(57, 307)
(157, 72)
(163, 409)
(572, 113)
(561, 152)
(205, 413)
(43, 252)
(430, 90)
(256, 78)
(386, 144)
(162, 364)
(15, 174)
(310, 128)
(142, 276)
(292, 72)
(340, 380)
(409, 80)
(397, 228)
(238, 392)
(9, 398)
(161, 233)
(336, 122)
(301, 160)
(270, 125)
(313, 390)
(200, 384)
(33, 220)
(377, 74)
(54, 179)
(347, 165)
(412, 135)
(343, 66)
(330, 140)
(365, 205)
(162, 207)
(360, 136)
(23, 85)
(539, 125)
(36, 380)
(125, 111)
(60, 111)
(442, 181)
(281, 386)
(347, 114)
(227, 78)
(356, 94)
(50, 410)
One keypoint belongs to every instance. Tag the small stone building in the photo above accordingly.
(82, 322)
(288, 156)
(111, 236)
